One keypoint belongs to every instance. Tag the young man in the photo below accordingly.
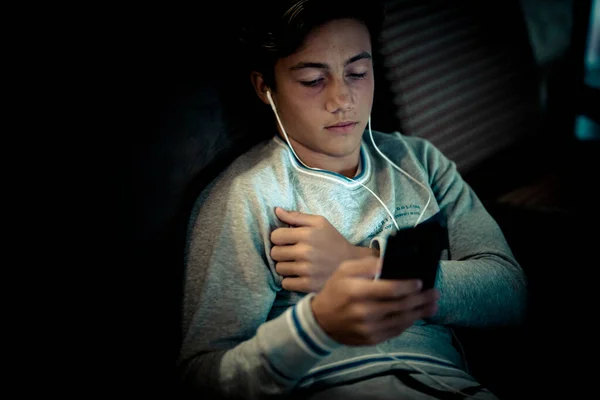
(280, 295)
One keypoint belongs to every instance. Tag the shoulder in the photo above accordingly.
(260, 162)
(401, 146)
(248, 179)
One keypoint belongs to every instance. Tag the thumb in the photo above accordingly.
(295, 218)
(368, 267)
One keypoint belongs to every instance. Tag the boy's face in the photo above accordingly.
(325, 92)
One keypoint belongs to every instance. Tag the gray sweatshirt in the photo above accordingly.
(245, 336)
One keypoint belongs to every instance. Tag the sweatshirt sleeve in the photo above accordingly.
(229, 348)
(481, 284)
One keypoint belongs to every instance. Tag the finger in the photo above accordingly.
(296, 252)
(381, 329)
(425, 311)
(409, 303)
(299, 284)
(296, 218)
(367, 267)
(291, 268)
(429, 310)
(378, 329)
(398, 323)
(285, 236)
(383, 290)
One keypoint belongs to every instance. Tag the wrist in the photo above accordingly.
(316, 311)
(363, 252)
(321, 321)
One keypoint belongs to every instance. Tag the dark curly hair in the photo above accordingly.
(277, 28)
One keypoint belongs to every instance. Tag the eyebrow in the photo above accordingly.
(302, 65)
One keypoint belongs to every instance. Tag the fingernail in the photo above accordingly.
(419, 284)
(434, 310)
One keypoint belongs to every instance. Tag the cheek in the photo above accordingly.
(301, 104)
(364, 89)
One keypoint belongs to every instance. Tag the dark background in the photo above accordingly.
(201, 114)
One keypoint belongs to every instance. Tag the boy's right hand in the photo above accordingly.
(355, 310)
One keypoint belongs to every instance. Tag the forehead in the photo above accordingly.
(341, 39)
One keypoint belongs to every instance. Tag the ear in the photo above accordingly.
(260, 87)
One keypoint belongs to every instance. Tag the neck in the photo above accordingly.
(346, 165)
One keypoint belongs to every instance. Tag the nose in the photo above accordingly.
(339, 97)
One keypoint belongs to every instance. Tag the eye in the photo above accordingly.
(311, 83)
(358, 76)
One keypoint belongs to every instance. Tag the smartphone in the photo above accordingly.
(414, 253)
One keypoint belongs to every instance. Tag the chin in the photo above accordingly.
(343, 149)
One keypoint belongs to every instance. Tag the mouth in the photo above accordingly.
(342, 127)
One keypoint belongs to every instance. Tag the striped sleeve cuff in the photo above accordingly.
(309, 329)
(295, 342)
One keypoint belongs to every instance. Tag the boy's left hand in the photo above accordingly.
(309, 252)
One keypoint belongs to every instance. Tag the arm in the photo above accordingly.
(228, 347)
(481, 284)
